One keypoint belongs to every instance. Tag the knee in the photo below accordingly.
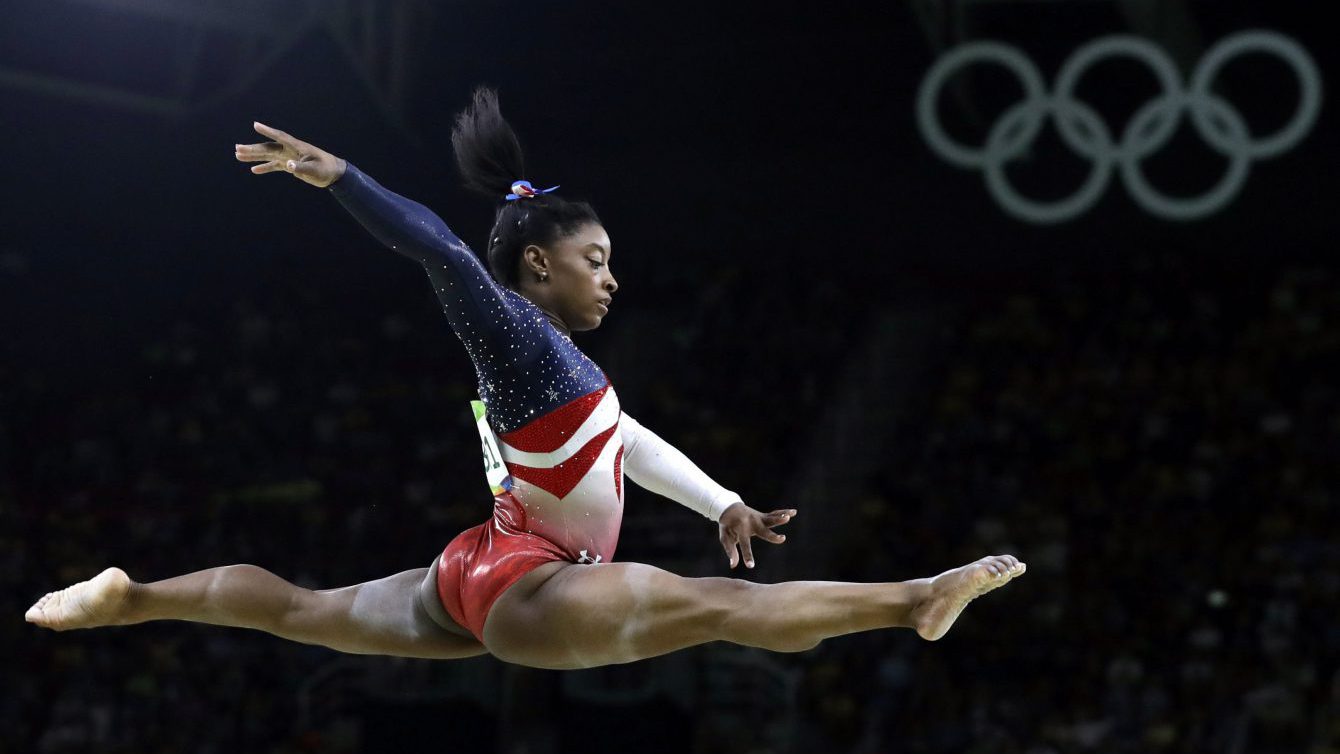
(266, 601)
(239, 574)
(793, 643)
(753, 620)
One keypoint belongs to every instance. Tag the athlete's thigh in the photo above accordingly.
(384, 617)
(563, 615)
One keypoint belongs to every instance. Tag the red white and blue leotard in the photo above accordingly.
(563, 436)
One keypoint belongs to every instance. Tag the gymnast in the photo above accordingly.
(536, 584)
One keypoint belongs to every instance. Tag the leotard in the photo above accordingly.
(563, 436)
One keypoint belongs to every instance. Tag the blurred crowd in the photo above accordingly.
(1160, 446)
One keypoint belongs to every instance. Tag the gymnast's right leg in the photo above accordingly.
(383, 617)
(563, 615)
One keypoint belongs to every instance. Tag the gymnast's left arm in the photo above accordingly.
(658, 466)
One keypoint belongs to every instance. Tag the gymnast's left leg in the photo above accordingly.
(383, 617)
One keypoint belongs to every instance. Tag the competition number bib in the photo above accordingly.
(494, 469)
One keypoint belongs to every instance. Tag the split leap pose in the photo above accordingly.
(535, 584)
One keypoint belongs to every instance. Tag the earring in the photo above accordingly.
(544, 276)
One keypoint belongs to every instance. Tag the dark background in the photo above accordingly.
(200, 366)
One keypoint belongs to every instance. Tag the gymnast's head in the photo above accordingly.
(553, 251)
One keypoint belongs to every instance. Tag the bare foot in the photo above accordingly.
(88, 604)
(951, 591)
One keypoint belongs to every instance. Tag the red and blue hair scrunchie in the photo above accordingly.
(523, 190)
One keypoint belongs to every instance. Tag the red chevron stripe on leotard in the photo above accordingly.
(559, 480)
(545, 434)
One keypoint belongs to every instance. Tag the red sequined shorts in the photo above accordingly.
(483, 561)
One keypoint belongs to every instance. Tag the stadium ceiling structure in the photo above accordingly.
(172, 58)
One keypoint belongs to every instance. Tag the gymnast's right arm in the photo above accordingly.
(465, 288)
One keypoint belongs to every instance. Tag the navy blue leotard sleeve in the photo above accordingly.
(524, 365)
(478, 309)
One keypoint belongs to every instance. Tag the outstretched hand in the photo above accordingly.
(284, 153)
(739, 524)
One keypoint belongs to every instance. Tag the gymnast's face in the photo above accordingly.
(577, 285)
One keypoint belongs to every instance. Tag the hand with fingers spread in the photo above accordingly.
(284, 153)
(739, 524)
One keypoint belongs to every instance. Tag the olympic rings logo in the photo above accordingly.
(1086, 133)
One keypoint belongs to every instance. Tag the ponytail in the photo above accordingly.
(490, 159)
(487, 151)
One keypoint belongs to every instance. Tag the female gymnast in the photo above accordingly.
(535, 584)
